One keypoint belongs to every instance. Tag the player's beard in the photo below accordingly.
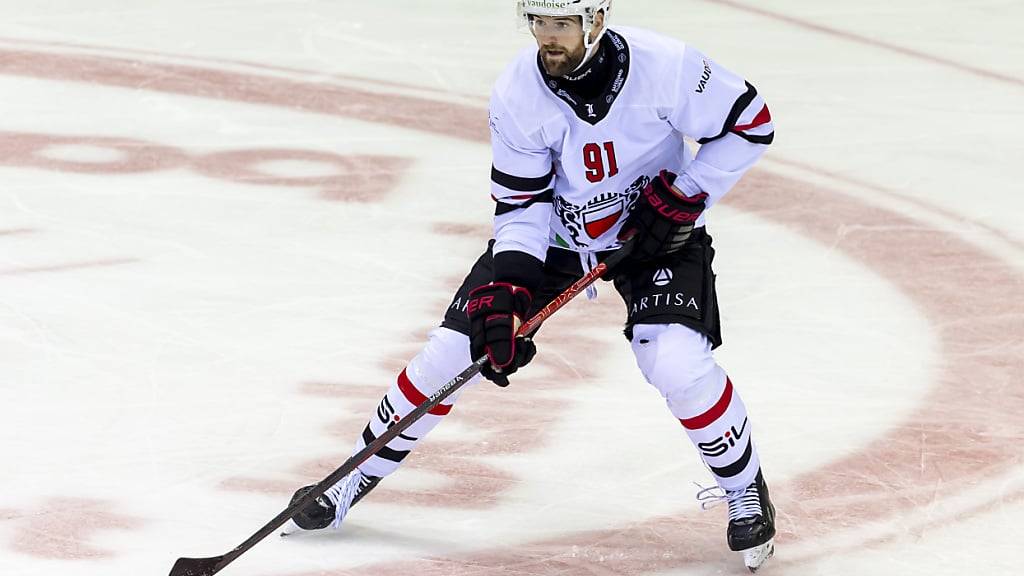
(559, 60)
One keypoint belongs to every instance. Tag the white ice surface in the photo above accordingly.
(158, 329)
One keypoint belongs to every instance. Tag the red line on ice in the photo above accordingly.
(873, 42)
(26, 270)
(16, 231)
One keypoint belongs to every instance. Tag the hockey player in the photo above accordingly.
(587, 136)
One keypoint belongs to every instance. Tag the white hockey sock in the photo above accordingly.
(444, 356)
(720, 430)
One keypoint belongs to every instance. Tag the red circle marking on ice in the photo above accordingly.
(129, 155)
(362, 178)
(355, 178)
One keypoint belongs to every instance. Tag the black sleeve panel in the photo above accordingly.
(519, 268)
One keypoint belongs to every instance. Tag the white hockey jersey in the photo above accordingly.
(566, 172)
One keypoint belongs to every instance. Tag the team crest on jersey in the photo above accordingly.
(590, 221)
(601, 213)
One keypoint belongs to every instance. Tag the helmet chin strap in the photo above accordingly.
(591, 48)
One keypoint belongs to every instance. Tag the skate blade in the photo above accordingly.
(289, 528)
(758, 555)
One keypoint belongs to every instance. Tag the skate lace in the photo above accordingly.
(342, 494)
(744, 503)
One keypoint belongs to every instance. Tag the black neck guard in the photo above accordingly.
(591, 90)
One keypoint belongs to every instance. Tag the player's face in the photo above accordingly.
(560, 40)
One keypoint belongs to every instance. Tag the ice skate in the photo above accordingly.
(330, 508)
(751, 520)
(752, 523)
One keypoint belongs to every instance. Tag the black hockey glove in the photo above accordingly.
(662, 218)
(495, 313)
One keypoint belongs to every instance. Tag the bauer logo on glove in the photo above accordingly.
(662, 219)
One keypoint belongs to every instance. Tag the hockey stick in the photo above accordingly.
(210, 566)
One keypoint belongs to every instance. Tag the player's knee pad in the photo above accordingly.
(677, 360)
(443, 358)
(679, 363)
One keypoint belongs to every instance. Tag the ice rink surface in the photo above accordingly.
(225, 226)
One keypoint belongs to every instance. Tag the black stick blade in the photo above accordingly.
(197, 566)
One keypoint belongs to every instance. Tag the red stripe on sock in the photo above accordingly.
(714, 413)
(416, 397)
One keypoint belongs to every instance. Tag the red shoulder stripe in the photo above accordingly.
(763, 117)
